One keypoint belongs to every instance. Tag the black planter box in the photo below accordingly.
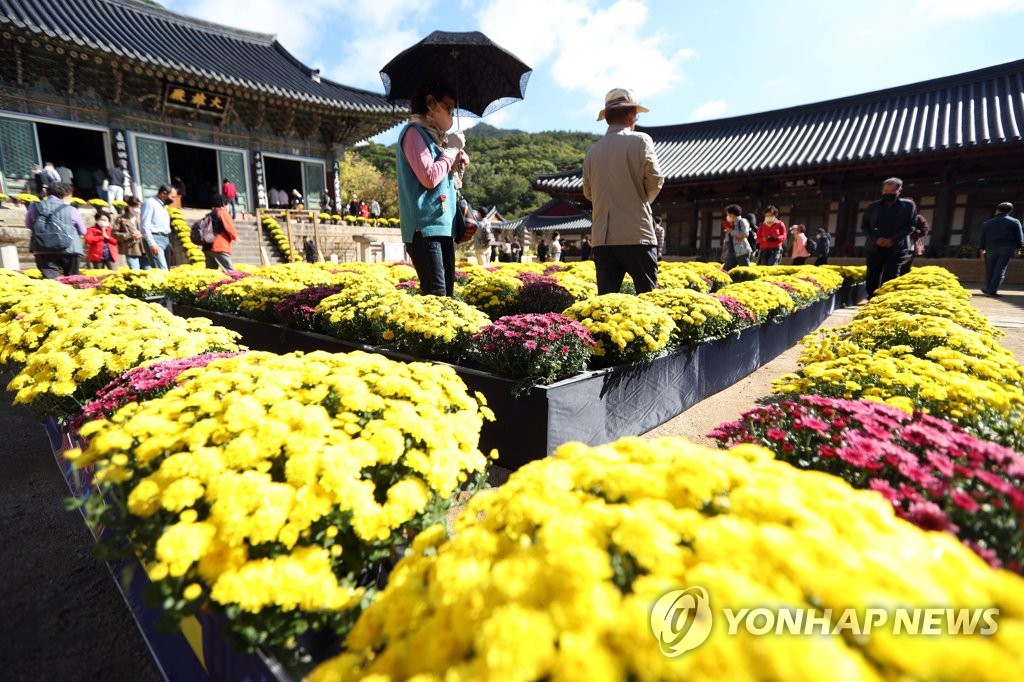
(594, 407)
(727, 361)
(851, 294)
(198, 650)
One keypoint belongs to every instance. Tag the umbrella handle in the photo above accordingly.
(455, 58)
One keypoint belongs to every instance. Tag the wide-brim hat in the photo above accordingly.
(620, 98)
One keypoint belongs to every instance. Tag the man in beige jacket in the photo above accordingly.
(621, 177)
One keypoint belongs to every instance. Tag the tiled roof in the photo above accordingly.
(983, 108)
(555, 216)
(142, 32)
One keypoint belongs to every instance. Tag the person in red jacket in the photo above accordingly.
(100, 244)
(771, 235)
(230, 193)
(219, 254)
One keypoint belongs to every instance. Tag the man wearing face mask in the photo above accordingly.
(156, 226)
(429, 162)
(888, 224)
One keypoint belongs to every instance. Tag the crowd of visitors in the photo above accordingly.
(621, 177)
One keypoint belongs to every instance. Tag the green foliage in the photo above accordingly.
(503, 165)
(361, 177)
(382, 157)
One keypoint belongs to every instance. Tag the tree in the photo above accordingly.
(381, 156)
(359, 177)
(503, 165)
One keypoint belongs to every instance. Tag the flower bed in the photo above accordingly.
(262, 486)
(945, 449)
(915, 360)
(934, 473)
(553, 576)
(593, 407)
(229, 483)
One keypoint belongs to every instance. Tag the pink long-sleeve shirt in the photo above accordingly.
(429, 172)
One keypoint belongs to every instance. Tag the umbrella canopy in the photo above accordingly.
(485, 76)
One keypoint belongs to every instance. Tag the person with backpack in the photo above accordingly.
(736, 242)
(822, 245)
(218, 252)
(57, 231)
(801, 245)
(101, 244)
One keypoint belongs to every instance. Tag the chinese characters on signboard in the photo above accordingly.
(261, 180)
(193, 99)
(337, 190)
(121, 159)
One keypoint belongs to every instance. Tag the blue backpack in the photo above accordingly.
(52, 229)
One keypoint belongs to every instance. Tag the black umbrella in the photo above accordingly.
(485, 77)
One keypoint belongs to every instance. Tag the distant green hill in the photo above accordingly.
(503, 164)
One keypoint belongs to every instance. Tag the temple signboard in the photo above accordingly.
(193, 99)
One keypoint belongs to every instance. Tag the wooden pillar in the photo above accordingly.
(942, 220)
(259, 236)
(288, 232)
(695, 223)
(316, 238)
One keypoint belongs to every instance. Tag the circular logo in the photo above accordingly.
(681, 620)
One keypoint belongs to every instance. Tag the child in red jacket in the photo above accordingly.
(101, 246)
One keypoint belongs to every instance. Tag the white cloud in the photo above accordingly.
(965, 9)
(709, 110)
(591, 50)
(361, 59)
(365, 17)
(296, 25)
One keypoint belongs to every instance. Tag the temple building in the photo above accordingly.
(956, 142)
(89, 84)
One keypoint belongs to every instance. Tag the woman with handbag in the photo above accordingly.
(429, 159)
(129, 236)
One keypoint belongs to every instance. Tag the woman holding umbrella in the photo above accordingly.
(427, 163)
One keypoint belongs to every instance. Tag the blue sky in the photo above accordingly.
(686, 60)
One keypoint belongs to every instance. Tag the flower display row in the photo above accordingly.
(267, 485)
(181, 228)
(373, 306)
(277, 234)
(917, 345)
(915, 399)
(267, 488)
(271, 489)
(935, 474)
(554, 574)
(339, 219)
(70, 342)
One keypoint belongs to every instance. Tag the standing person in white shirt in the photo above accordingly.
(621, 177)
(555, 250)
(156, 226)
